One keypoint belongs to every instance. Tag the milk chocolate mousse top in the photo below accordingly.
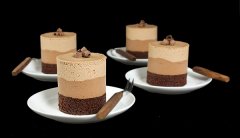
(173, 51)
(170, 43)
(81, 55)
(58, 34)
(141, 31)
(70, 67)
(141, 24)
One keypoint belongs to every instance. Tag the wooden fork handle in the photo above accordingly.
(21, 66)
(109, 105)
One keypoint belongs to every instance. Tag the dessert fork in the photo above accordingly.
(112, 102)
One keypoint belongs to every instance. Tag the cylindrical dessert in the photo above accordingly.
(137, 38)
(81, 82)
(54, 44)
(167, 63)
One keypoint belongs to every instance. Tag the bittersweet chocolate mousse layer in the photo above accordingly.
(77, 106)
(49, 68)
(83, 89)
(164, 67)
(166, 80)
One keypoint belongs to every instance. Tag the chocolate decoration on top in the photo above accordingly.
(83, 52)
(142, 23)
(59, 32)
(77, 54)
(168, 40)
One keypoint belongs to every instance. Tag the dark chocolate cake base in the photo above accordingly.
(141, 55)
(166, 80)
(49, 68)
(76, 106)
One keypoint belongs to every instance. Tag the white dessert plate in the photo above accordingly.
(45, 103)
(194, 81)
(114, 55)
(34, 70)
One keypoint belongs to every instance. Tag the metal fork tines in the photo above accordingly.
(129, 85)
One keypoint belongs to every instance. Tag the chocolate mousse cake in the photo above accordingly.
(81, 82)
(167, 62)
(54, 44)
(137, 38)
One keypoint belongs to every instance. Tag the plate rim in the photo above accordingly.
(38, 75)
(169, 88)
(69, 116)
(110, 54)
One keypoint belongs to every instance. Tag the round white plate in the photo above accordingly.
(34, 70)
(194, 81)
(45, 103)
(114, 55)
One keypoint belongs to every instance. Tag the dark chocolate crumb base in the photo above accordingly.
(166, 80)
(140, 55)
(49, 68)
(76, 106)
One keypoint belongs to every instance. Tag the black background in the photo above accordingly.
(209, 28)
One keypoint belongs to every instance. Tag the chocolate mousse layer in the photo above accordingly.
(167, 62)
(49, 68)
(138, 36)
(138, 48)
(82, 89)
(81, 82)
(54, 44)
(140, 45)
(166, 80)
(140, 55)
(77, 106)
(165, 67)
(49, 65)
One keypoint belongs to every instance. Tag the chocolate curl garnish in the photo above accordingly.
(59, 32)
(78, 54)
(168, 41)
(83, 52)
(142, 23)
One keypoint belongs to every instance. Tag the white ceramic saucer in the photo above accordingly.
(34, 70)
(114, 55)
(45, 103)
(194, 81)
